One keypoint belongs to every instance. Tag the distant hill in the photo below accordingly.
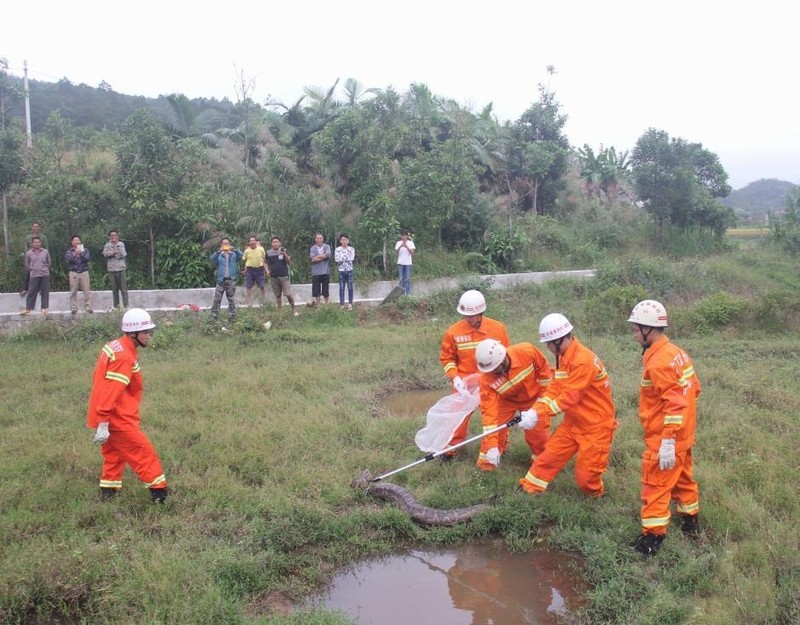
(752, 202)
(102, 107)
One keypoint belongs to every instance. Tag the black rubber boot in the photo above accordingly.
(690, 526)
(648, 544)
(106, 494)
(159, 495)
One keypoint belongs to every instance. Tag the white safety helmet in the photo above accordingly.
(649, 312)
(490, 354)
(553, 327)
(137, 319)
(472, 302)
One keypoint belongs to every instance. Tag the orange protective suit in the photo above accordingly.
(116, 395)
(457, 355)
(503, 395)
(668, 409)
(581, 392)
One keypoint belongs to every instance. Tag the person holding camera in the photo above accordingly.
(278, 261)
(114, 251)
(77, 258)
(345, 257)
(226, 260)
(255, 268)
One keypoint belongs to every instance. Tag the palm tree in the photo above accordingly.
(185, 121)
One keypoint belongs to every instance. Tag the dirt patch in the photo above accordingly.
(273, 602)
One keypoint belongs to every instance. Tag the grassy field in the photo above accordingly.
(261, 432)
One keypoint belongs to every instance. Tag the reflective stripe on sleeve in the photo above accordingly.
(552, 404)
(509, 384)
(118, 377)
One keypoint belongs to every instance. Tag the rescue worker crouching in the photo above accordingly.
(114, 411)
(581, 393)
(668, 411)
(512, 379)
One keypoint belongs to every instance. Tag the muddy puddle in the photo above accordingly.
(413, 403)
(475, 584)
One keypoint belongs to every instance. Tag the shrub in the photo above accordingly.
(609, 310)
(716, 311)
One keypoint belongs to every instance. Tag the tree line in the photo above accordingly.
(174, 178)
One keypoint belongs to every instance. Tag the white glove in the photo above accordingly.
(493, 456)
(666, 454)
(528, 419)
(460, 386)
(102, 434)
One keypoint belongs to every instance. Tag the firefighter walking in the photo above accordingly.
(668, 411)
(114, 411)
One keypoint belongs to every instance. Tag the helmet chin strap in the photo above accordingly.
(557, 343)
(135, 337)
(645, 336)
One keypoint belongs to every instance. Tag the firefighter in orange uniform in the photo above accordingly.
(114, 411)
(581, 392)
(668, 411)
(512, 379)
(457, 353)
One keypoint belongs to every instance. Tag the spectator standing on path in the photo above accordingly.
(668, 394)
(77, 258)
(255, 268)
(37, 265)
(278, 261)
(320, 254)
(226, 260)
(114, 251)
(35, 232)
(405, 249)
(345, 256)
(114, 411)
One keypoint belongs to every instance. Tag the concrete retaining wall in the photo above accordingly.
(170, 299)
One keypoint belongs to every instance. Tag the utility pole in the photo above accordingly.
(27, 105)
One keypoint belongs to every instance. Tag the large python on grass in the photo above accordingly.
(404, 500)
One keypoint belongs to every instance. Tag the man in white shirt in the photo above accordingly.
(405, 249)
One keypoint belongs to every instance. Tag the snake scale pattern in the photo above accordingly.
(404, 500)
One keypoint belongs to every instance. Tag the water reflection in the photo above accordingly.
(476, 584)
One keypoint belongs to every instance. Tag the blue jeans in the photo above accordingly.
(405, 277)
(345, 278)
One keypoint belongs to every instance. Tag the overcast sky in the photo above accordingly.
(706, 72)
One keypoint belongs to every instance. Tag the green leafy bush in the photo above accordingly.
(610, 309)
(715, 311)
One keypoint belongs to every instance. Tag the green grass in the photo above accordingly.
(261, 432)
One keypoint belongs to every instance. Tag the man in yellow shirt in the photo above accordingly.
(254, 269)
